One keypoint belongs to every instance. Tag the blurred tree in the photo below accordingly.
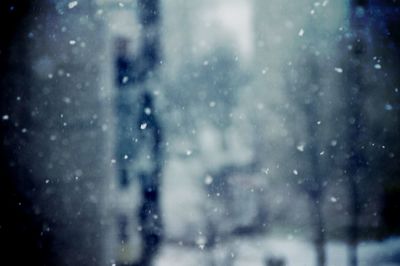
(355, 99)
(207, 88)
(304, 84)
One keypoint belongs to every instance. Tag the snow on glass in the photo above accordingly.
(256, 123)
(143, 126)
(72, 4)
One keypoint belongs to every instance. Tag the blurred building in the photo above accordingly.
(133, 53)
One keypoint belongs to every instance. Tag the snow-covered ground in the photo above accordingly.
(296, 252)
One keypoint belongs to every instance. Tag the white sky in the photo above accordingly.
(234, 17)
(231, 19)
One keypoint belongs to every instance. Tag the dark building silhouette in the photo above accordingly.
(139, 135)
